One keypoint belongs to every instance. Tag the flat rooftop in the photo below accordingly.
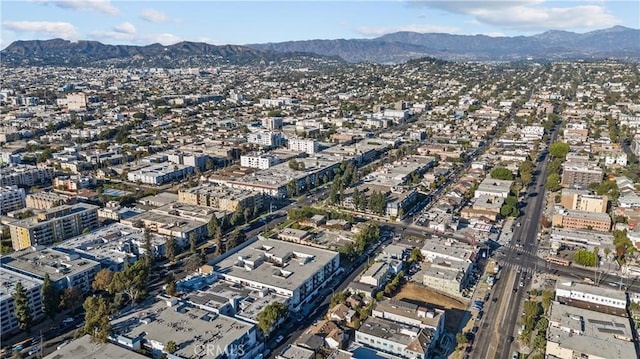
(275, 263)
(394, 331)
(592, 333)
(87, 348)
(47, 261)
(591, 289)
(10, 280)
(190, 328)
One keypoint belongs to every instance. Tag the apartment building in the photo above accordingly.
(582, 220)
(32, 286)
(401, 311)
(47, 200)
(77, 102)
(260, 161)
(396, 339)
(24, 175)
(73, 183)
(583, 200)
(160, 173)
(53, 225)
(195, 160)
(272, 123)
(11, 198)
(220, 197)
(303, 145)
(580, 175)
(294, 271)
(65, 269)
(491, 188)
(265, 139)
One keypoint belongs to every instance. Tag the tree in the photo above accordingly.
(501, 173)
(235, 238)
(559, 150)
(22, 310)
(192, 242)
(213, 228)
(148, 252)
(170, 347)
(102, 280)
(96, 318)
(193, 263)
(270, 316)
(50, 297)
(132, 281)
(71, 298)
(585, 258)
(416, 255)
(461, 338)
(553, 182)
(170, 249)
(172, 289)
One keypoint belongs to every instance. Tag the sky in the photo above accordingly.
(245, 22)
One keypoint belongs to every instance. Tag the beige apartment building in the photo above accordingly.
(581, 200)
(47, 200)
(220, 197)
(582, 220)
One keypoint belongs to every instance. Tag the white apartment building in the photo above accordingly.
(272, 123)
(615, 158)
(266, 138)
(303, 145)
(160, 173)
(262, 161)
(32, 286)
(26, 175)
(11, 198)
(77, 102)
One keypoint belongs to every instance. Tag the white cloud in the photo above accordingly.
(422, 28)
(126, 33)
(494, 34)
(125, 28)
(528, 14)
(152, 15)
(64, 30)
(103, 6)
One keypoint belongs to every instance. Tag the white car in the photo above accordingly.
(68, 320)
(61, 345)
(279, 338)
(34, 350)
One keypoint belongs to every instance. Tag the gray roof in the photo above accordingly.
(86, 348)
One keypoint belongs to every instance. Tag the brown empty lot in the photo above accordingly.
(417, 294)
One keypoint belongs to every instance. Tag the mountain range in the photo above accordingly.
(616, 42)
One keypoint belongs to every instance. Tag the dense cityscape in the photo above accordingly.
(426, 209)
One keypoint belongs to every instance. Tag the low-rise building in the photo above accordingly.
(260, 161)
(291, 270)
(401, 340)
(220, 197)
(195, 332)
(65, 270)
(160, 173)
(376, 275)
(581, 238)
(47, 200)
(582, 220)
(583, 200)
(87, 347)
(53, 225)
(11, 198)
(73, 183)
(492, 187)
(600, 299)
(401, 311)
(579, 333)
(32, 286)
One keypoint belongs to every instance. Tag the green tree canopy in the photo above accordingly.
(270, 316)
(559, 149)
(50, 297)
(96, 318)
(22, 309)
(501, 173)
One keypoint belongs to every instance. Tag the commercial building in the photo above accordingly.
(401, 340)
(197, 333)
(582, 220)
(87, 347)
(24, 175)
(11, 198)
(65, 270)
(53, 225)
(579, 333)
(303, 145)
(220, 197)
(580, 175)
(600, 299)
(581, 238)
(583, 200)
(160, 173)
(291, 270)
(47, 200)
(260, 161)
(32, 286)
(491, 187)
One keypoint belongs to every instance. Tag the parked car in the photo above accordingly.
(61, 345)
(279, 339)
(34, 350)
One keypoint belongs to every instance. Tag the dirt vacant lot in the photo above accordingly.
(417, 294)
